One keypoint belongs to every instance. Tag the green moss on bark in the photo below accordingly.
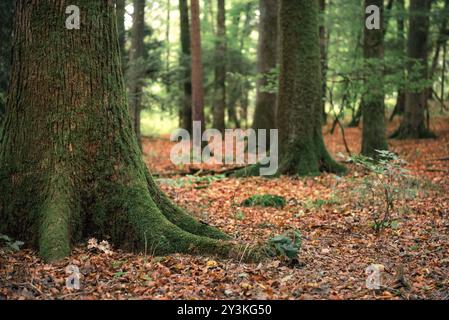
(70, 166)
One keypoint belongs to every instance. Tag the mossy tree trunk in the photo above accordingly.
(265, 112)
(413, 122)
(301, 146)
(373, 104)
(186, 113)
(70, 166)
(120, 11)
(220, 69)
(136, 69)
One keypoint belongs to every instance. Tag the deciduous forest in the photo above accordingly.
(224, 149)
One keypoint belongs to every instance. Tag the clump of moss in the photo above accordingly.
(265, 200)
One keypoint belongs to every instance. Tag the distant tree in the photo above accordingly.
(373, 104)
(265, 112)
(413, 123)
(70, 166)
(197, 67)
(220, 69)
(136, 69)
(186, 113)
(301, 146)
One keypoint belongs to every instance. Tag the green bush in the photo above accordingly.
(265, 200)
(286, 245)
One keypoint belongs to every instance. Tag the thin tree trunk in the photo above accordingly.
(197, 67)
(136, 67)
(70, 167)
(400, 101)
(324, 41)
(265, 112)
(301, 145)
(220, 69)
(185, 62)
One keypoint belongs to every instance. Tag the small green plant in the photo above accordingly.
(286, 245)
(265, 200)
(386, 182)
(9, 243)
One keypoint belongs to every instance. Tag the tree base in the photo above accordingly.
(406, 132)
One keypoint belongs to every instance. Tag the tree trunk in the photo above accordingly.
(220, 69)
(70, 166)
(373, 101)
(413, 123)
(399, 108)
(120, 11)
(197, 67)
(6, 13)
(301, 145)
(265, 112)
(136, 67)
(185, 62)
(324, 41)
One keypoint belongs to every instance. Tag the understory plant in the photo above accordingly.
(384, 187)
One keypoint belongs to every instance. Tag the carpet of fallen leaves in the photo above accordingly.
(338, 241)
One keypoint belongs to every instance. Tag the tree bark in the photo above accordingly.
(136, 67)
(197, 67)
(400, 101)
(301, 146)
(373, 101)
(70, 166)
(220, 69)
(324, 41)
(120, 11)
(265, 112)
(413, 123)
(185, 62)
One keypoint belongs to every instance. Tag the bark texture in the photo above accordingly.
(301, 145)
(373, 104)
(70, 166)
(413, 123)
(265, 112)
(136, 67)
(197, 67)
(220, 69)
(186, 113)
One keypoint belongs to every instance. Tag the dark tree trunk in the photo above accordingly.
(6, 13)
(373, 104)
(413, 123)
(265, 112)
(399, 108)
(197, 67)
(301, 145)
(70, 167)
(120, 11)
(136, 67)
(220, 69)
(324, 41)
(185, 62)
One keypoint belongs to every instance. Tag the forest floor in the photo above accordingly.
(338, 241)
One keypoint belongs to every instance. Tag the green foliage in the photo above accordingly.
(265, 200)
(9, 243)
(386, 183)
(286, 245)
(272, 81)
